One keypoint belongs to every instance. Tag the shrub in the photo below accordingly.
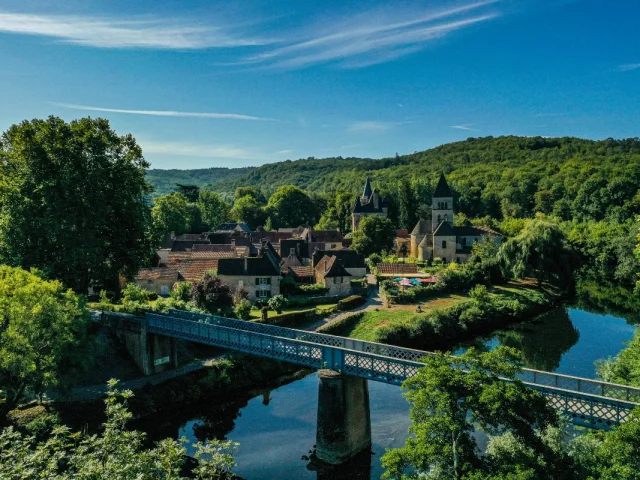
(315, 288)
(277, 303)
(181, 291)
(243, 309)
(210, 294)
(239, 295)
(132, 293)
(351, 302)
(359, 282)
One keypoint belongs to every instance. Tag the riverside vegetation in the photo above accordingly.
(566, 206)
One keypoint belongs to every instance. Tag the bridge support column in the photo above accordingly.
(152, 353)
(344, 420)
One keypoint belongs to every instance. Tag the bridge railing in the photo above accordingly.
(529, 376)
(583, 408)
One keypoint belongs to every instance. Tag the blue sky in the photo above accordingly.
(202, 83)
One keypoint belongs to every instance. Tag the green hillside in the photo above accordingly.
(164, 181)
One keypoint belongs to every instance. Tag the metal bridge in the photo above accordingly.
(586, 402)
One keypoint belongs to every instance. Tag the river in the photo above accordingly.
(276, 430)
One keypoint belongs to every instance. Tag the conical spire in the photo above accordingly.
(367, 189)
(442, 190)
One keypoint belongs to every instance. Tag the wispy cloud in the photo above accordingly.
(199, 150)
(372, 126)
(468, 126)
(161, 113)
(375, 37)
(129, 32)
(283, 152)
(628, 67)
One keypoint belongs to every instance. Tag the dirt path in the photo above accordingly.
(374, 301)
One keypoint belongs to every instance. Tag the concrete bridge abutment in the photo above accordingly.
(344, 419)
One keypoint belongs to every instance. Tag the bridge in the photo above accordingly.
(346, 364)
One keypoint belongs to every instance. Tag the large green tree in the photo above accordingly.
(43, 334)
(290, 206)
(172, 213)
(374, 235)
(214, 210)
(451, 397)
(540, 251)
(73, 201)
(247, 209)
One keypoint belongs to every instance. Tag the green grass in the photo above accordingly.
(372, 320)
(271, 313)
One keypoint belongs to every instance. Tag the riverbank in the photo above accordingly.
(450, 318)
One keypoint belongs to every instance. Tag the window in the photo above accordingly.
(444, 244)
(263, 293)
(446, 205)
(263, 281)
(446, 217)
(464, 241)
(338, 279)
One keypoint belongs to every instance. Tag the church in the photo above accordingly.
(370, 203)
(440, 238)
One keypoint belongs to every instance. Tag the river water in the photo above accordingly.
(276, 430)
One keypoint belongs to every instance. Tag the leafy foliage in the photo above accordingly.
(277, 303)
(43, 334)
(115, 453)
(210, 294)
(290, 206)
(165, 181)
(375, 234)
(72, 201)
(451, 397)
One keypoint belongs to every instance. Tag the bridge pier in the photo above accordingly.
(344, 419)
(152, 353)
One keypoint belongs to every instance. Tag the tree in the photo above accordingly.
(540, 251)
(248, 210)
(374, 235)
(453, 395)
(277, 303)
(114, 453)
(43, 334)
(215, 211)
(290, 207)
(72, 201)
(211, 294)
(252, 192)
(171, 213)
(406, 205)
(191, 192)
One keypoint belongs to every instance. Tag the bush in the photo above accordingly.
(181, 291)
(309, 289)
(243, 309)
(277, 303)
(351, 302)
(132, 293)
(210, 294)
(359, 282)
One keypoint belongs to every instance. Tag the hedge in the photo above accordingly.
(351, 302)
(343, 326)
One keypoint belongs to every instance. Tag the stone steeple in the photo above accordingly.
(442, 204)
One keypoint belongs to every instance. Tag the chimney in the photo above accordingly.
(246, 265)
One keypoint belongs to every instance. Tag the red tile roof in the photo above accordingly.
(396, 268)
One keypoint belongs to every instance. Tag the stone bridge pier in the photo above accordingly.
(151, 352)
(344, 419)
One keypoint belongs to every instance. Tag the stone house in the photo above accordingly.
(332, 275)
(352, 262)
(260, 276)
(370, 203)
(157, 279)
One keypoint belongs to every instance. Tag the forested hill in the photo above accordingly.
(165, 181)
(476, 161)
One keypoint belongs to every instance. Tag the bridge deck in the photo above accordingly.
(587, 402)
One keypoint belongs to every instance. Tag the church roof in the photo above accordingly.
(367, 189)
(444, 230)
(472, 230)
(442, 189)
(421, 228)
(425, 242)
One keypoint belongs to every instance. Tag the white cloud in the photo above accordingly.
(370, 126)
(374, 37)
(283, 152)
(628, 67)
(161, 113)
(127, 32)
(199, 150)
(467, 126)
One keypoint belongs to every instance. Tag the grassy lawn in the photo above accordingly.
(404, 315)
(271, 313)
(400, 315)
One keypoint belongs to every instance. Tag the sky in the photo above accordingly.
(207, 83)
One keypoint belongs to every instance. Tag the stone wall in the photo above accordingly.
(249, 284)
